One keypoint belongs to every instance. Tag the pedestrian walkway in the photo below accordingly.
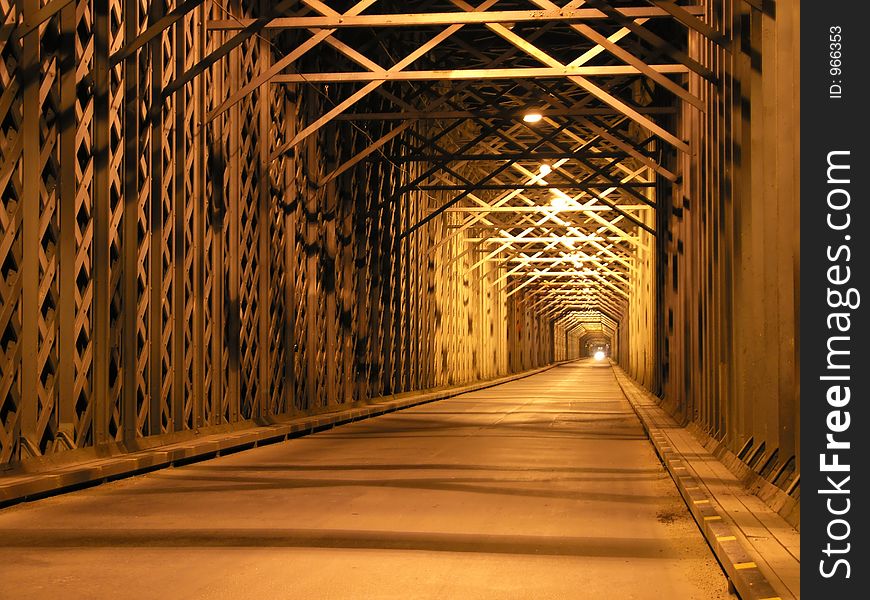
(545, 487)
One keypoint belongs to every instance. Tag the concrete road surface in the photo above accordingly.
(544, 488)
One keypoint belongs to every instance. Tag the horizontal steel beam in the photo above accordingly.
(472, 74)
(580, 276)
(33, 19)
(448, 18)
(520, 186)
(559, 259)
(541, 240)
(517, 115)
(505, 156)
(543, 208)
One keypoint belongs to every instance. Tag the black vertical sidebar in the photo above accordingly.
(835, 299)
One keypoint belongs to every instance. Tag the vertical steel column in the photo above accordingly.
(264, 218)
(30, 161)
(216, 223)
(346, 324)
(312, 268)
(289, 255)
(231, 295)
(101, 225)
(329, 251)
(130, 227)
(67, 210)
(787, 150)
(186, 214)
(156, 301)
(363, 275)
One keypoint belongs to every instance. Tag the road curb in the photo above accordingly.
(744, 575)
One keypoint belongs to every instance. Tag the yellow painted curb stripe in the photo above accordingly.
(746, 565)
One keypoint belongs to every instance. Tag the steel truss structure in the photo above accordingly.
(224, 211)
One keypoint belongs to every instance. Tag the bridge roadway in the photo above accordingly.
(545, 487)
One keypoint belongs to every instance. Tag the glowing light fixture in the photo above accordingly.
(559, 202)
(599, 355)
(532, 117)
(545, 169)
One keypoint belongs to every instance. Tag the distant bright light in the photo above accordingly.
(599, 355)
(546, 169)
(532, 117)
(559, 202)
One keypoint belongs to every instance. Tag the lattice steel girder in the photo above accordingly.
(594, 319)
(691, 21)
(560, 306)
(570, 264)
(474, 74)
(214, 56)
(535, 178)
(534, 275)
(497, 156)
(612, 180)
(376, 145)
(654, 40)
(284, 62)
(34, 17)
(483, 180)
(578, 291)
(602, 132)
(483, 114)
(595, 90)
(154, 29)
(546, 209)
(367, 89)
(600, 296)
(629, 58)
(542, 240)
(546, 186)
(450, 18)
(601, 198)
(563, 260)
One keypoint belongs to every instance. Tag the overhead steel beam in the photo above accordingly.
(541, 208)
(489, 156)
(546, 186)
(153, 30)
(693, 22)
(514, 115)
(482, 181)
(475, 74)
(213, 57)
(449, 18)
(630, 58)
(274, 69)
(589, 86)
(654, 40)
(33, 18)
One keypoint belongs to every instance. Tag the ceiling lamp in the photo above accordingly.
(532, 117)
(545, 169)
(559, 201)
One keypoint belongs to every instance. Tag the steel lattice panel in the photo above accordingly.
(200, 281)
